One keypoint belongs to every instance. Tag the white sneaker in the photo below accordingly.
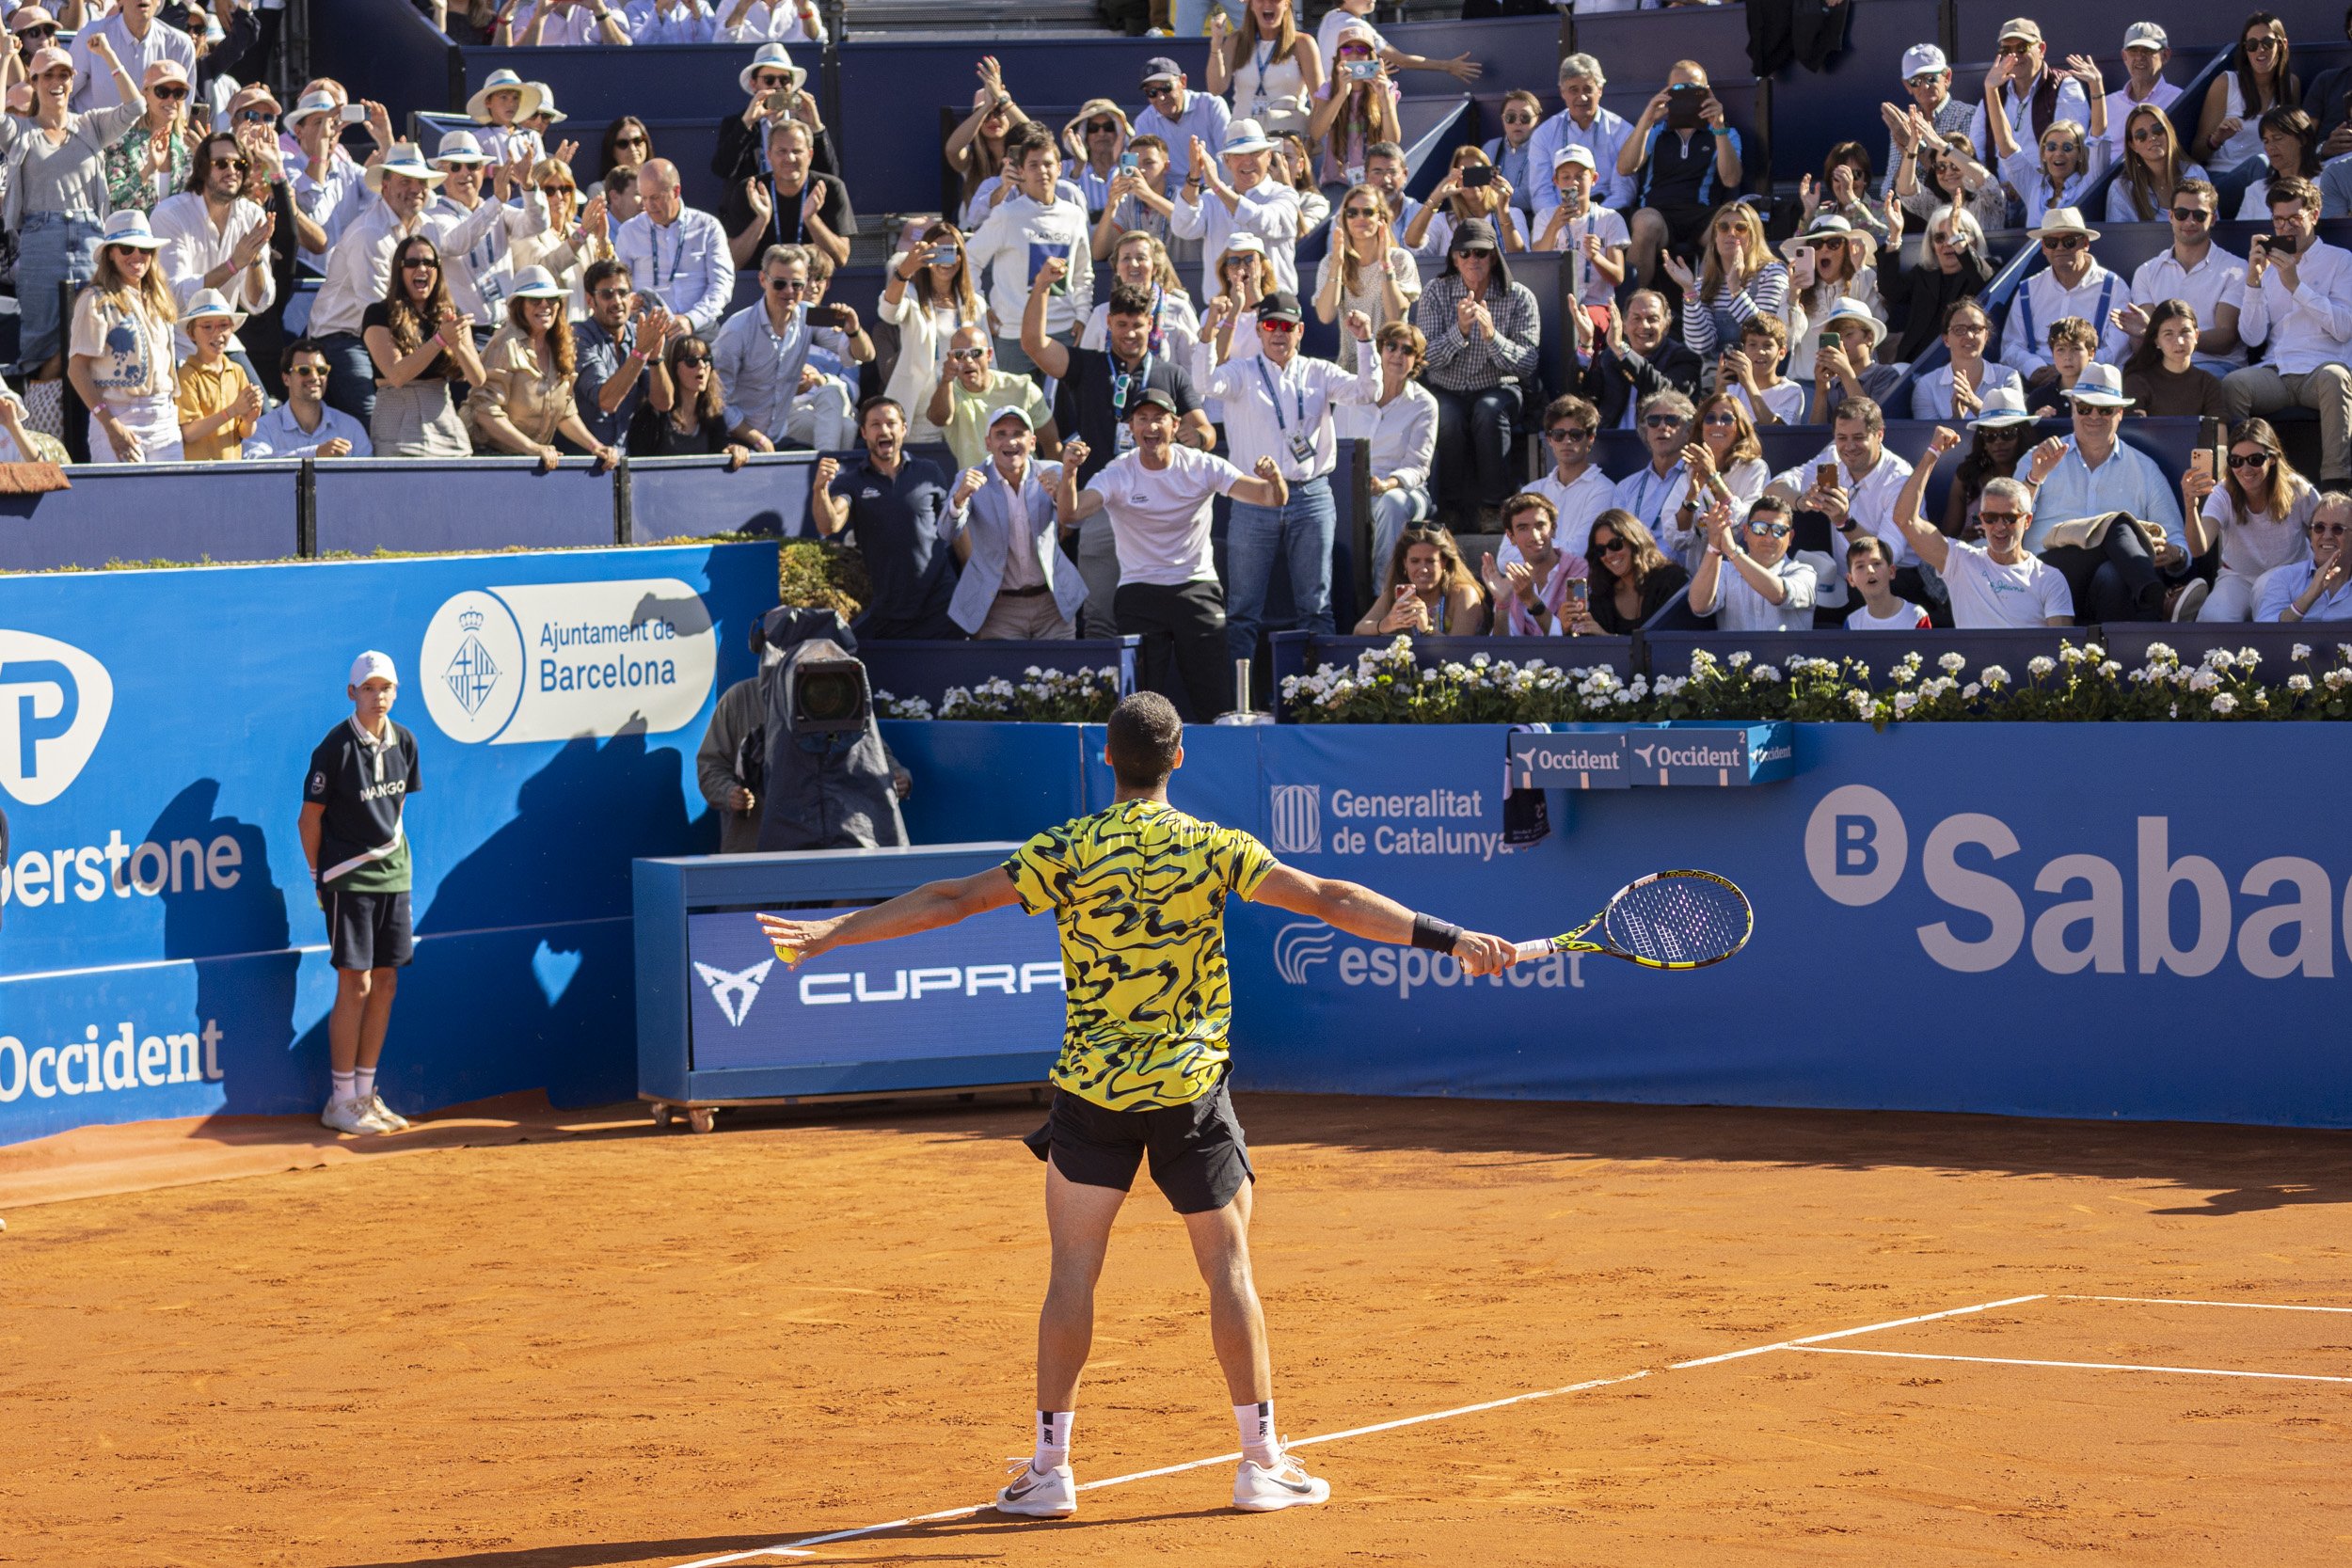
(394, 1121)
(2190, 599)
(1040, 1493)
(1259, 1490)
(350, 1116)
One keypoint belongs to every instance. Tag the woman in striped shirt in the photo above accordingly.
(1739, 280)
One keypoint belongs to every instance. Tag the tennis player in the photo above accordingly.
(1138, 892)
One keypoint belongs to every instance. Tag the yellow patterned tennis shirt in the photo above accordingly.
(1138, 892)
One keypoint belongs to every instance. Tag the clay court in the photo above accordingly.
(605, 1346)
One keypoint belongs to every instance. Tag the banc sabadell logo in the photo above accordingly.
(2079, 914)
(557, 660)
(54, 701)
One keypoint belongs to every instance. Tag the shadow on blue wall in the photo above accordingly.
(244, 920)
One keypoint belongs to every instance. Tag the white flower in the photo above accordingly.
(2225, 704)
(1622, 698)
(1993, 674)
(2039, 666)
(1904, 703)
(2070, 653)
(2247, 657)
(1767, 674)
(2301, 652)
(2095, 653)
(2299, 682)
(2161, 653)
(1479, 661)
(1862, 702)
(2203, 680)
(1740, 661)
(1429, 674)
(1701, 661)
(1971, 691)
(2220, 658)
(2110, 669)
(1951, 664)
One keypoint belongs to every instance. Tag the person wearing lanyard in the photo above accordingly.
(678, 253)
(1665, 420)
(480, 274)
(1277, 403)
(792, 204)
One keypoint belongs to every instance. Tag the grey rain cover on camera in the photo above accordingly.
(826, 791)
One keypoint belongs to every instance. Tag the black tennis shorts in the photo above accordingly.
(370, 930)
(1199, 1156)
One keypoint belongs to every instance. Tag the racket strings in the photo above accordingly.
(1679, 920)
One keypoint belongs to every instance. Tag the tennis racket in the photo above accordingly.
(1666, 920)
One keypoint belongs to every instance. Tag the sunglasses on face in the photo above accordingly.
(2061, 146)
(36, 34)
(2262, 45)
(1359, 211)
(2149, 133)
(2014, 48)
(1662, 421)
(1721, 420)
(611, 296)
(555, 190)
(255, 117)
(769, 79)
(1933, 79)
(2191, 214)
(171, 94)
(1285, 328)
(1768, 530)
(1991, 518)
(967, 354)
(686, 361)
(788, 285)
(2096, 411)
(238, 163)
(2252, 460)
(2064, 242)
(420, 263)
(1519, 119)
(2333, 530)
(630, 141)
(1569, 432)
(1607, 546)
(1159, 91)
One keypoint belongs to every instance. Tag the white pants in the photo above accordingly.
(2232, 599)
(155, 422)
(825, 419)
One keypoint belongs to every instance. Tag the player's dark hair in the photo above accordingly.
(1145, 734)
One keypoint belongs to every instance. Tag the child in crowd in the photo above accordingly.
(1870, 572)
(219, 404)
(1751, 373)
(2071, 343)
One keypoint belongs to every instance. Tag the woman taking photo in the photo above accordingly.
(929, 295)
(120, 362)
(151, 160)
(1955, 389)
(976, 149)
(2229, 130)
(1472, 189)
(2258, 513)
(1365, 269)
(2162, 376)
(685, 412)
(1272, 68)
(2290, 141)
(1141, 262)
(54, 174)
(1724, 461)
(1353, 112)
(1918, 299)
(2153, 164)
(418, 340)
(1428, 590)
(1402, 429)
(1631, 579)
(524, 400)
(1831, 261)
(1738, 280)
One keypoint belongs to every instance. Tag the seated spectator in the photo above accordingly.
(1471, 189)
(1583, 122)
(2295, 297)
(1384, 171)
(2071, 345)
(2030, 97)
(1135, 202)
(1752, 372)
(2162, 377)
(2328, 99)
(1831, 261)
(1846, 363)
(627, 145)
(2072, 284)
(497, 108)
(1401, 428)
(218, 404)
(678, 253)
(1252, 204)
(1636, 361)
(150, 160)
(2155, 170)
(575, 239)
(1484, 348)
(1871, 573)
(1738, 280)
(1578, 490)
(1928, 78)
(2289, 151)
(524, 399)
(1666, 431)
(1093, 144)
(2257, 511)
(2256, 80)
(119, 354)
(2000, 583)
(1843, 192)
(614, 348)
(1141, 263)
(304, 425)
(1037, 224)
(1188, 122)
(928, 295)
(1632, 580)
(2125, 574)
(2146, 52)
(967, 397)
(2058, 169)
(1427, 589)
(1349, 15)
(765, 355)
(2319, 589)
(1722, 461)
(1847, 490)
(1015, 582)
(534, 23)
(622, 200)
(1522, 111)
(1271, 69)
(1543, 589)
(1933, 172)
(776, 21)
(1293, 165)
(1746, 577)
(1955, 389)
(653, 22)
(2195, 270)
(898, 506)
(1999, 445)
(1595, 238)
(1685, 161)
(790, 204)
(418, 339)
(685, 412)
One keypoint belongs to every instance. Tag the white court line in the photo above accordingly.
(2088, 1366)
(2178, 1301)
(793, 1548)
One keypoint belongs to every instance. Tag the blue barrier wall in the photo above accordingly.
(454, 504)
(155, 728)
(153, 513)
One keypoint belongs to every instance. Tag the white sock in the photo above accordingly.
(1258, 1442)
(1053, 1438)
(364, 1084)
(343, 1085)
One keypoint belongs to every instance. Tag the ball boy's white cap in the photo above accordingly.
(370, 665)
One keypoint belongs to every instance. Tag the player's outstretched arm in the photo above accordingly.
(1375, 916)
(926, 909)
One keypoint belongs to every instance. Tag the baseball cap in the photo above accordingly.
(1575, 152)
(2146, 35)
(2020, 27)
(1279, 306)
(1922, 59)
(1011, 411)
(370, 665)
(1150, 396)
(1159, 68)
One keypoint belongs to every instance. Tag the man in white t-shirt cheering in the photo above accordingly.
(1999, 584)
(1160, 497)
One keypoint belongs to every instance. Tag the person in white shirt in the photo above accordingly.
(676, 254)
(325, 176)
(1252, 203)
(2319, 589)
(1752, 372)
(2119, 572)
(2072, 284)
(1852, 482)
(303, 425)
(1998, 583)
(672, 22)
(1594, 237)
(1582, 122)
(1015, 581)
(138, 39)
(1401, 426)
(214, 238)
(2030, 96)
(1015, 242)
(1747, 580)
(2146, 52)
(1871, 573)
(1277, 405)
(2257, 511)
(2299, 301)
(1955, 389)
(497, 109)
(481, 275)
(2199, 271)
(1578, 490)
(1724, 461)
(767, 22)
(1160, 497)
(560, 22)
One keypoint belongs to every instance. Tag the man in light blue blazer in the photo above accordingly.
(1016, 582)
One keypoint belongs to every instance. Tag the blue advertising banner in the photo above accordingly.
(162, 952)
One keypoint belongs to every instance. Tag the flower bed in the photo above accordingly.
(1384, 687)
(1041, 697)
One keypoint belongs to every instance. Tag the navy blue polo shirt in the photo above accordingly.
(362, 784)
(900, 522)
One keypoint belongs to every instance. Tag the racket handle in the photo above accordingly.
(1529, 951)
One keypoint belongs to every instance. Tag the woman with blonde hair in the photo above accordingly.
(2153, 164)
(2258, 513)
(1353, 112)
(2060, 166)
(418, 338)
(1831, 261)
(1428, 588)
(1093, 141)
(1724, 460)
(929, 295)
(575, 239)
(1294, 165)
(1472, 188)
(1633, 580)
(120, 355)
(1272, 68)
(1139, 259)
(1740, 278)
(1365, 269)
(524, 401)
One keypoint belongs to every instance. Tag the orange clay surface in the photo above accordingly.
(606, 1346)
